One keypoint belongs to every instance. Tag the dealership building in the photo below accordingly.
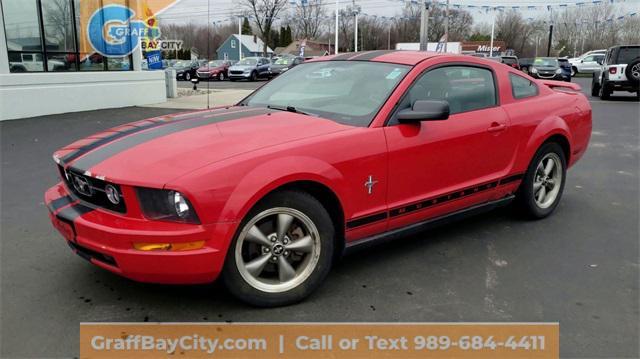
(49, 63)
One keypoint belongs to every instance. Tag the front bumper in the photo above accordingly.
(244, 75)
(559, 77)
(106, 239)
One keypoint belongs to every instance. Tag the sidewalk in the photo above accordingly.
(199, 102)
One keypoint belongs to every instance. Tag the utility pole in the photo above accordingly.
(446, 28)
(550, 31)
(337, 16)
(424, 26)
(389, 38)
(550, 39)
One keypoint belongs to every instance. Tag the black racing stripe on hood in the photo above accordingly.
(343, 57)
(370, 55)
(92, 158)
(71, 213)
(103, 141)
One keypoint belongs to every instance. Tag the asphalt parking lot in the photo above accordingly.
(580, 267)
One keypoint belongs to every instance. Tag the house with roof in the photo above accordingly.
(251, 46)
(311, 48)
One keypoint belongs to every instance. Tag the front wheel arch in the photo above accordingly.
(329, 200)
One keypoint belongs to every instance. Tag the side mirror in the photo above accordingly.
(425, 110)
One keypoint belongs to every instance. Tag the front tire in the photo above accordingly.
(574, 71)
(187, 76)
(221, 76)
(282, 252)
(543, 184)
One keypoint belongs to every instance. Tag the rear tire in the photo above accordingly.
(595, 86)
(605, 93)
(267, 263)
(543, 184)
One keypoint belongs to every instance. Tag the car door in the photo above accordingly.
(439, 167)
(589, 63)
(263, 67)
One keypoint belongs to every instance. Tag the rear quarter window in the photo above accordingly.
(521, 87)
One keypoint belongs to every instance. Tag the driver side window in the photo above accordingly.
(465, 88)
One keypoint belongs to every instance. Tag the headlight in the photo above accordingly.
(534, 70)
(268, 68)
(166, 205)
(559, 71)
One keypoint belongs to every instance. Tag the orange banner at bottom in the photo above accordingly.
(320, 340)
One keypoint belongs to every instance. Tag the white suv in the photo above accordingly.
(620, 71)
(587, 63)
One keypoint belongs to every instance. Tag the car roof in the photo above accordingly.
(403, 57)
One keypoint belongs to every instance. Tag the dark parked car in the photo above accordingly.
(547, 68)
(185, 69)
(250, 68)
(216, 69)
(284, 63)
(566, 69)
(525, 64)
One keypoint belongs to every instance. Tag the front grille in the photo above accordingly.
(91, 190)
(237, 72)
(203, 74)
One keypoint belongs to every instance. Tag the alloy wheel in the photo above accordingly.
(187, 76)
(547, 180)
(221, 76)
(277, 250)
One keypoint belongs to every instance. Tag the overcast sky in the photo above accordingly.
(198, 11)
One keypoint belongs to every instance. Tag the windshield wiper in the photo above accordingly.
(290, 109)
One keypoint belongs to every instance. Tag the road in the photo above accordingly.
(579, 267)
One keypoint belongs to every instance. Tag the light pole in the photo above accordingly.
(337, 16)
(424, 26)
(493, 27)
(356, 11)
(240, 18)
(446, 28)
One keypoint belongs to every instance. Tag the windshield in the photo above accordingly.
(346, 92)
(284, 61)
(509, 60)
(216, 63)
(181, 64)
(546, 62)
(248, 62)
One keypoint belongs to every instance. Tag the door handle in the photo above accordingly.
(497, 127)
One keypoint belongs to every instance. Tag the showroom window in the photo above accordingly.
(42, 35)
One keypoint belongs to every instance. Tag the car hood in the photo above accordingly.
(153, 152)
(546, 68)
(210, 69)
(241, 67)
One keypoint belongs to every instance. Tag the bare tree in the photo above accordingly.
(308, 19)
(58, 23)
(264, 14)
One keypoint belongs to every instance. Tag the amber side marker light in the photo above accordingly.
(173, 247)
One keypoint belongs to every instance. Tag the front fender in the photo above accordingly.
(275, 173)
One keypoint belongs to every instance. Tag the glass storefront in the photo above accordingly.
(42, 35)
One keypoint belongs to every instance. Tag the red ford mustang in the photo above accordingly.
(332, 154)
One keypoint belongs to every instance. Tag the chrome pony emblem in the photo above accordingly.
(82, 185)
(369, 184)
